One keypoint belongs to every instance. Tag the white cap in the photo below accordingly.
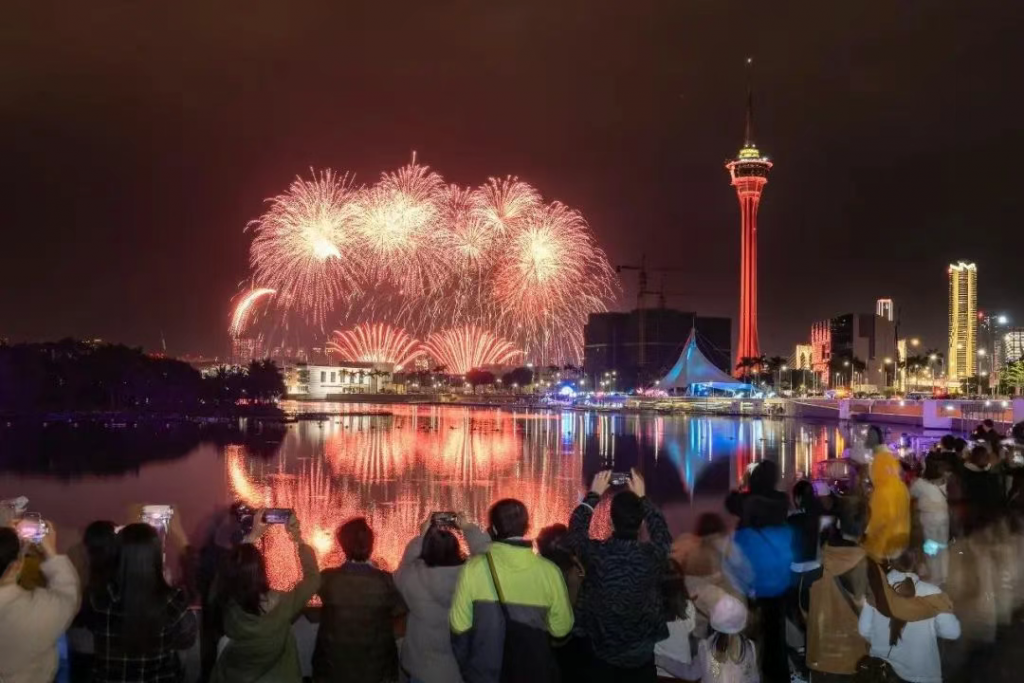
(729, 615)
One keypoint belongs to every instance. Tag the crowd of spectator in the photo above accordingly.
(828, 584)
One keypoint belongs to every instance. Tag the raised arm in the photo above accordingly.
(479, 542)
(657, 527)
(578, 538)
(55, 606)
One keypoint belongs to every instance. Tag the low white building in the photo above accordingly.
(325, 381)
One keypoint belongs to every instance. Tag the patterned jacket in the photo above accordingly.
(621, 607)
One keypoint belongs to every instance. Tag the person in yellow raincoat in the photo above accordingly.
(888, 530)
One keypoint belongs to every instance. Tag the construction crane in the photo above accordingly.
(642, 293)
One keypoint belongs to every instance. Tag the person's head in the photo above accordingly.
(907, 561)
(948, 442)
(935, 468)
(550, 546)
(101, 547)
(356, 539)
(728, 619)
(852, 517)
(247, 578)
(960, 445)
(980, 456)
(441, 548)
(549, 539)
(988, 425)
(874, 437)
(627, 514)
(141, 587)
(803, 495)
(765, 478)
(509, 519)
(710, 524)
(10, 555)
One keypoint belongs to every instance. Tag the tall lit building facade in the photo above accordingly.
(803, 357)
(883, 309)
(963, 321)
(748, 173)
(1012, 345)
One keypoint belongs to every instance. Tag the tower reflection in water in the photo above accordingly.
(397, 468)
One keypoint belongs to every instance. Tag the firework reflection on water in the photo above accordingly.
(397, 469)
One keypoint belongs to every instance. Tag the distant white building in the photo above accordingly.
(323, 381)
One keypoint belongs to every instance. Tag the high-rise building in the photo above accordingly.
(883, 309)
(963, 321)
(1013, 345)
(803, 357)
(748, 173)
(854, 348)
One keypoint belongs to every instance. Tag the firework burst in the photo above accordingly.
(462, 349)
(240, 317)
(548, 279)
(505, 205)
(424, 255)
(305, 243)
(399, 230)
(376, 343)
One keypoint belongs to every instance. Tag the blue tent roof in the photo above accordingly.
(693, 367)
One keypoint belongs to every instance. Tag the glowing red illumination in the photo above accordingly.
(396, 473)
(748, 174)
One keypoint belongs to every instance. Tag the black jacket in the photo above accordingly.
(620, 606)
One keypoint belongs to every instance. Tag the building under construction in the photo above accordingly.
(642, 345)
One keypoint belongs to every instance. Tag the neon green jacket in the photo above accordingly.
(536, 597)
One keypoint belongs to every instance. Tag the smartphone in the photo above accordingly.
(32, 528)
(277, 515)
(620, 478)
(157, 516)
(444, 519)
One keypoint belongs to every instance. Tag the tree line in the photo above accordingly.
(73, 375)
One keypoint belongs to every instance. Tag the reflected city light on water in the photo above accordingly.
(397, 465)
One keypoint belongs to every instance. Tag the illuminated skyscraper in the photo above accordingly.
(963, 320)
(749, 174)
(883, 309)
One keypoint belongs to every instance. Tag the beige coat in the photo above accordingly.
(31, 622)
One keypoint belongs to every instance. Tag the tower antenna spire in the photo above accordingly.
(748, 137)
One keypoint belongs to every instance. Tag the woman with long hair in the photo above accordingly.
(259, 646)
(426, 579)
(140, 623)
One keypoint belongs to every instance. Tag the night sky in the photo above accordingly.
(138, 138)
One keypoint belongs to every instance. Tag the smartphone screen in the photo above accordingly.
(31, 527)
(277, 515)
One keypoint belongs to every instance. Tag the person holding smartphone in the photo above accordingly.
(32, 621)
(426, 578)
(259, 646)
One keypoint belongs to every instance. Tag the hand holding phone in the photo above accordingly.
(620, 478)
(32, 528)
(277, 515)
(445, 520)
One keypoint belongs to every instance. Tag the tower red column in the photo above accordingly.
(749, 174)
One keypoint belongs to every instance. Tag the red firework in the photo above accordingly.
(462, 349)
(376, 343)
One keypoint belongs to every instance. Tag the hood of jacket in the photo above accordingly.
(840, 559)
